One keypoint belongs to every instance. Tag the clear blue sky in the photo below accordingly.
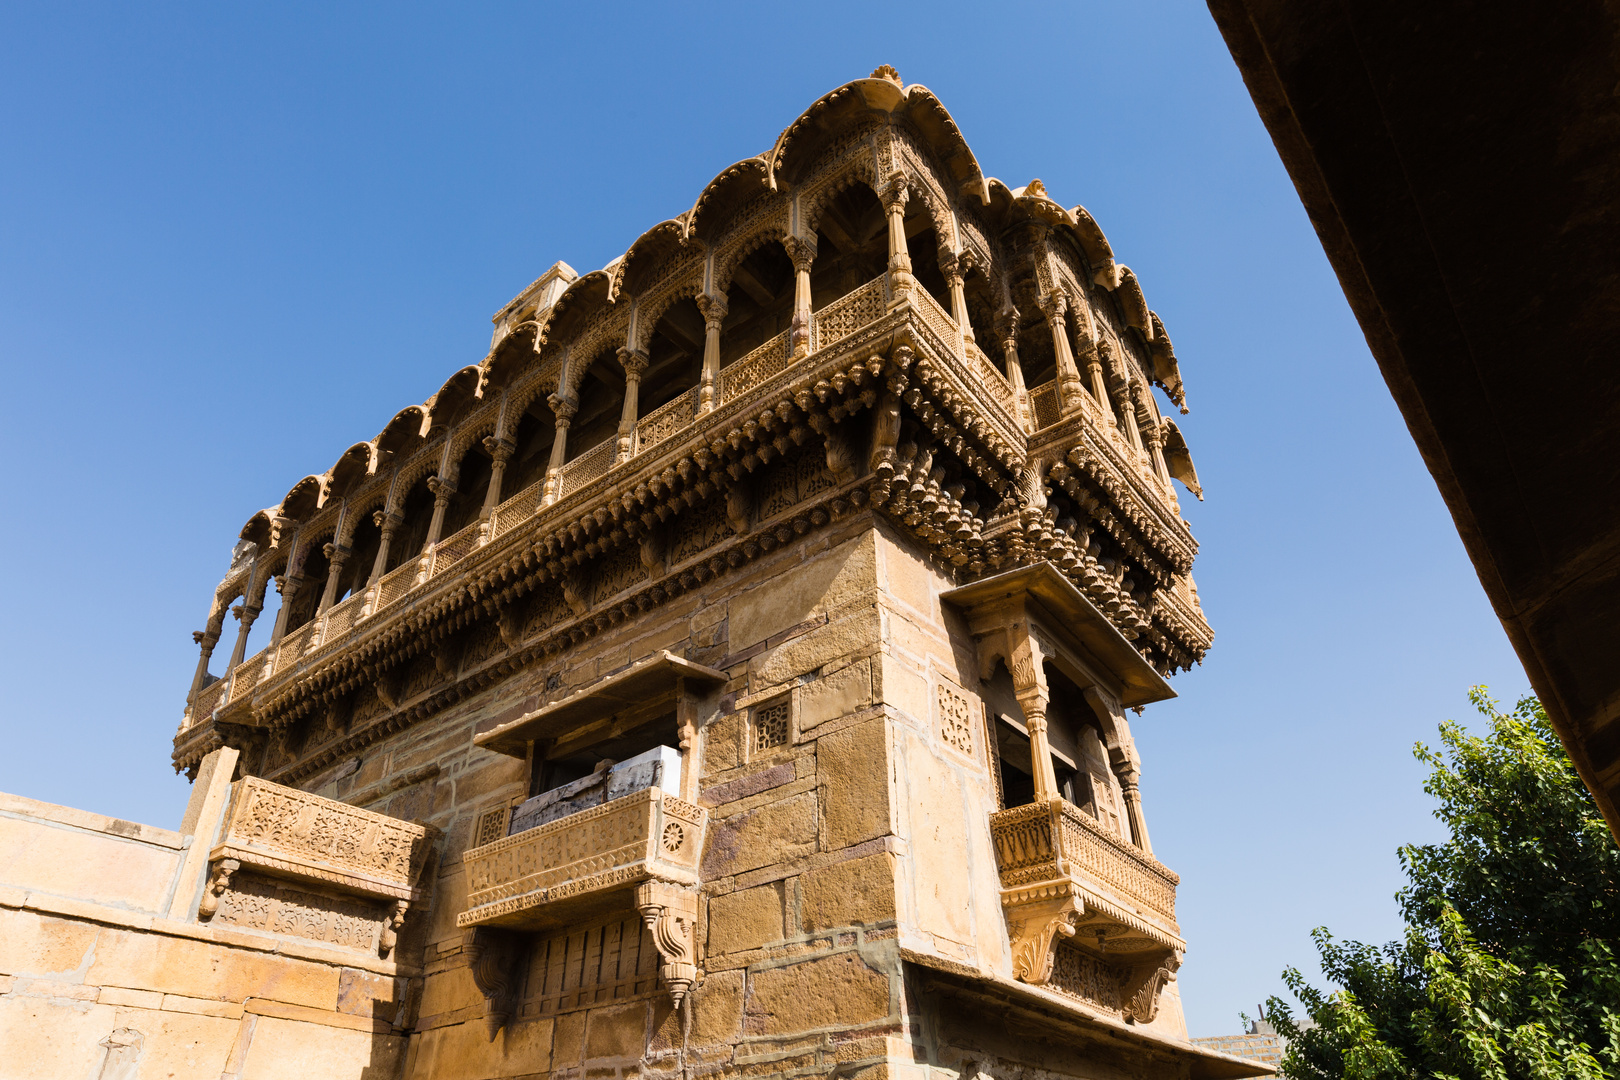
(235, 239)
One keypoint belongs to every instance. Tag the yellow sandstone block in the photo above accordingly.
(836, 991)
(852, 893)
(743, 920)
(853, 767)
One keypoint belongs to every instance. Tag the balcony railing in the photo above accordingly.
(560, 871)
(666, 420)
(1056, 839)
(741, 376)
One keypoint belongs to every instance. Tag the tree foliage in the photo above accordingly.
(1507, 969)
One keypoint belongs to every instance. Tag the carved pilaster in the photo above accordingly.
(714, 316)
(563, 408)
(895, 195)
(634, 363)
(802, 250)
(670, 912)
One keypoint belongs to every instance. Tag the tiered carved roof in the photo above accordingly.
(890, 411)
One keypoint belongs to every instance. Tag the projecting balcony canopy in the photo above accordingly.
(1069, 616)
(645, 684)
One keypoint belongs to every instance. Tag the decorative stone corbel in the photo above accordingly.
(217, 885)
(492, 956)
(391, 927)
(574, 591)
(1144, 985)
(670, 912)
(1033, 932)
(740, 508)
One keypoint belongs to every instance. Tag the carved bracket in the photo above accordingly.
(493, 955)
(1144, 984)
(1033, 928)
(670, 912)
(217, 885)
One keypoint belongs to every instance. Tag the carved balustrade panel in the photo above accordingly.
(1045, 404)
(516, 510)
(771, 358)
(284, 832)
(395, 584)
(458, 547)
(850, 312)
(293, 645)
(645, 836)
(248, 673)
(1042, 841)
(937, 318)
(590, 465)
(666, 420)
(208, 699)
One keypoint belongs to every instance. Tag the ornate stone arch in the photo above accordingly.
(773, 229)
(857, 170)
(362, 503)
(647, 317)
(424, 461)
(522, 395)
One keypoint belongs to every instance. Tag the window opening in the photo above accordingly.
(577, 772)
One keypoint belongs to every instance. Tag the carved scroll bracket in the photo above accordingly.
(1033, 929)
(493, 956)
(670, 912)
(1145, 984)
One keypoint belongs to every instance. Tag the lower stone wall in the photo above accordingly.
(87, 990)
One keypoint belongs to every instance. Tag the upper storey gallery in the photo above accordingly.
(964, 358)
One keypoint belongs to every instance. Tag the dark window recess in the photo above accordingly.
(1017, 781)
(581, 777)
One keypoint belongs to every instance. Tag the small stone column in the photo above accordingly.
(634, 363)
(955, 267)
(895, 195)
(1033, 702)
(1055, 306)
(803, 253)
(1129, 784)
(388, 522)
(245, 614)
(1007, 329)
(336, 556)
(1133, 405)
(1099, 384)
(207, 639)
(563, 409)
(714, 315)
(500, 452)
(444, 489)
(287, 586)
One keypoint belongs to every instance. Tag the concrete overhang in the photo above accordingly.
(642, 684)
(1076, 622)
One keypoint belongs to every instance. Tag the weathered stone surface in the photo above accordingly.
(319, 1051)
(716, 1014)
(617, 1031)
(743, 920)
(939, 842)
(201, 969)
(853, 769)
(857, 631)
(752, 784)
(837, 991)
(184, 1046)
(42, 1040)
(34, 944)
(819, 585)
(855, 892)
(774, 833)
(835, 695)
(465, 1052)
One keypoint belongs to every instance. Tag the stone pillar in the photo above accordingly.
(714, 315)
(207, 639)
(635, 365)
(1154, 437)
(500, 450)
(245, 613)
(1099, 385)
(1055, 306)
(955, 267)
(444, 489)
(1129, 784)
(336, 556)
(1007, 329)
(1029, 685)
(803, 253)
(388, 522)
(563, 409)
(1133, 404)
(287, 585)
(895, 196)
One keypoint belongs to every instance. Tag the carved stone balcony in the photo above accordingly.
(1067, 880)
(365, 868)
(640, 850)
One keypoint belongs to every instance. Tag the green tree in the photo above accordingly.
(1507, 969)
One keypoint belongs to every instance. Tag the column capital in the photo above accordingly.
(802, 250)
(501, 449)
(896, 192)
(563, 408)
(634, 362)
(950, 264)
(1055, 305)
(441, 487)
(387, 520)
(714, 309)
